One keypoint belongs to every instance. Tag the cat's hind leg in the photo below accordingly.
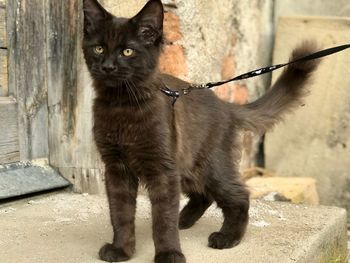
(194, 209)
(233, 198)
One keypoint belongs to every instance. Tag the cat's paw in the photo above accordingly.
(170, 257)
(221, 240)
(110, 253)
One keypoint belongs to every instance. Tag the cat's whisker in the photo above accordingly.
(133, 91)
(135, 96)
(120, 94)
(127, 90)
(142, 96)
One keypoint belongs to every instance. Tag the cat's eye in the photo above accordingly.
(99, 50)
(128, 52)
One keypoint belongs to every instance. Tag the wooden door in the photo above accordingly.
(24, 74)
(9, 141)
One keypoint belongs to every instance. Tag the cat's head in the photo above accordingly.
(118, 50)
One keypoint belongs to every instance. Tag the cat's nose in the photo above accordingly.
(109, 67)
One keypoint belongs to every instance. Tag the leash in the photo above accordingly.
(174, 94)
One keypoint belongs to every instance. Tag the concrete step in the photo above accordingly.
(68, 227)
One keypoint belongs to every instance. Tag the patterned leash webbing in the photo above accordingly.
(174, 94)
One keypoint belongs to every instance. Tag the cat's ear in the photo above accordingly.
(149, 22)
(94, 13)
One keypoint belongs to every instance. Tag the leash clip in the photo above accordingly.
(174, 94)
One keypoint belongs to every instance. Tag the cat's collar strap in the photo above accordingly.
(175, 94)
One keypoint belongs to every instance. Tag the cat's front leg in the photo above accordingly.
(164, 193)
(121, 189)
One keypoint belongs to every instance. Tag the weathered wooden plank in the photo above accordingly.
(315, 140)
(3, 73)
(26, 25)
(85, 180)
(9, 145)
(72, 147)
(3, 42)
(62, 27)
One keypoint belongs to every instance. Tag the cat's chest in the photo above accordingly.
(124, 128)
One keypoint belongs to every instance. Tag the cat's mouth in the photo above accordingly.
(111, 78)
(114, 83)
(118, 81)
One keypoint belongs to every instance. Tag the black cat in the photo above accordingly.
(192, 146)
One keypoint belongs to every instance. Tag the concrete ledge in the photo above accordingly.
(71, 228)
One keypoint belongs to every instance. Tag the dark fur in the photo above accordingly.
(192, 146)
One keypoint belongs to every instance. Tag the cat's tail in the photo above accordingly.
(286, 94)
